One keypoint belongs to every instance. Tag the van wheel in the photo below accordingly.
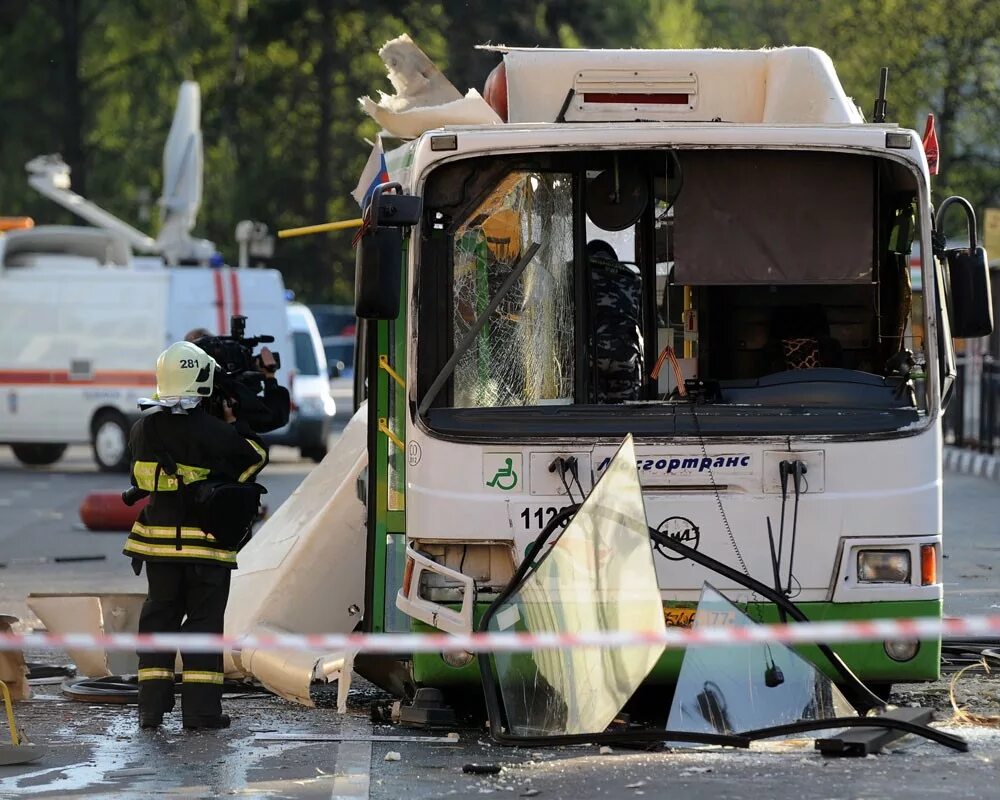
(317, 452)
(38, 455)
(109, 441)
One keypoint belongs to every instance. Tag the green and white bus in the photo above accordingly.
(708, 250)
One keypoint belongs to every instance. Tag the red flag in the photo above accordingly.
(931, 145)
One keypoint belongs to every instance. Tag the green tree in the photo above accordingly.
(285, 139)
(675, 24)
(942, 58)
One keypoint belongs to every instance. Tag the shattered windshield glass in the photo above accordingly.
(524, 353)
(598, 576)
(743, 687)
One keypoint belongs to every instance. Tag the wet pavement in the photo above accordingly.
(99, 751)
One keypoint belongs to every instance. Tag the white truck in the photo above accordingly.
(81, 325)
(83, 318)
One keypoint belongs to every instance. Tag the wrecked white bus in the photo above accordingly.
(693, 262)
(708, 250)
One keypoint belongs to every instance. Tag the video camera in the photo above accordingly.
(240, 377)
(234, 353)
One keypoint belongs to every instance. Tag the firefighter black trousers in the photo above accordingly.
(185, 598)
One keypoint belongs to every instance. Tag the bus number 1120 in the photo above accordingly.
(540, 516)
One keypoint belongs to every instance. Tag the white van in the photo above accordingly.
(313, 407)
(82, 322)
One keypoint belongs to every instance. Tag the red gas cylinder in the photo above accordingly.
(106, 511)
(495, 90)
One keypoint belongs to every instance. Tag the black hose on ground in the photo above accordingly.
(957, 654)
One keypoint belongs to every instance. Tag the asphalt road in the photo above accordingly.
(97, 750)
(40, 521)
(971, 545)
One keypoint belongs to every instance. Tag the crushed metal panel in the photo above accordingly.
(598, 576)
(425, 99)
(303, 570)
(96, 614)
(290, 674)
(286, 674)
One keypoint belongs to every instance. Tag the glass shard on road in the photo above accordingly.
(743, 687)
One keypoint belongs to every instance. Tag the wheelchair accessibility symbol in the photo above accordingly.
(500, 471)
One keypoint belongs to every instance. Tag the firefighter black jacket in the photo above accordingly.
(203, 447)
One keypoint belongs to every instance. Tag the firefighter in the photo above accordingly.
(187, 570)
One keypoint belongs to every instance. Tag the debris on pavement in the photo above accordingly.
(13, 670)
(482, 769)
(451, 738)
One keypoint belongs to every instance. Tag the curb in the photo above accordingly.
(969, 462)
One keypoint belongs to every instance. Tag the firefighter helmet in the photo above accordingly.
(184, 370)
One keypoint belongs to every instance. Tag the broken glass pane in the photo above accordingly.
(742, 687)
(598, 576)
(524, 354)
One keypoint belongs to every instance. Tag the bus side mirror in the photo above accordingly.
(378, 264)
(968, 280)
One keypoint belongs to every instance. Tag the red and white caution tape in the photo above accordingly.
(796, 633)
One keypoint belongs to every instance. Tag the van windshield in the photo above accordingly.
(305, 354)
(728, 284)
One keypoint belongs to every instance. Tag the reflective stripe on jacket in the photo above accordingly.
(202, 447)
(160, 544)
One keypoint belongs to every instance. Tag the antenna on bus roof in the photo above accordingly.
(878, 115)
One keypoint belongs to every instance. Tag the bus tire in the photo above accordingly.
(109, 441)
(38, 455)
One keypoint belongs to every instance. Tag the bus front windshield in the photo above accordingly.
(767, 283)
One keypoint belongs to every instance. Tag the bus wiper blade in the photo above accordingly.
(702, 391)
(477, 326)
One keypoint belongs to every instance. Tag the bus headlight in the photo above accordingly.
(883, 566)
(901, 651)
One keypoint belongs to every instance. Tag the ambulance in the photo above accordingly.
(86, 310)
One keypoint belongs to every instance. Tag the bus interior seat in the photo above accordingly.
(800, 339)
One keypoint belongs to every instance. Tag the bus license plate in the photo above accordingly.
(678, 617)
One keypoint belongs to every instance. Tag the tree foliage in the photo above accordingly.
(96, 80)
(943, 58)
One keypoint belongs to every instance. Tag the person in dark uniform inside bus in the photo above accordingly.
(175, 445)
(616, 313)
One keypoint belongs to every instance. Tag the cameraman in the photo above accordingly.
(260, 413)
(175, 445)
